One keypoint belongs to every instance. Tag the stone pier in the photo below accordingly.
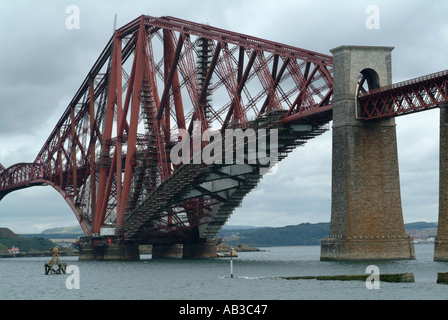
(111, 247)
(366, 213)
(441, 241)
(109, 252)
(167, 251)
(199, 250)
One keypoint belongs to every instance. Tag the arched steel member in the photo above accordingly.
(23, 175)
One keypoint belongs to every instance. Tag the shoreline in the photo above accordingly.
(37, 254)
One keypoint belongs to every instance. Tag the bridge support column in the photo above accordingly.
(90, 253)
(107, 248)
(199, 250)
(110, 252)
(441, 241)
(167, 251)
(366, 213)
(184, 251)
(122, 252)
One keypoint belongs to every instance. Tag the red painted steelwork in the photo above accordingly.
(110, 149)
(405, 97)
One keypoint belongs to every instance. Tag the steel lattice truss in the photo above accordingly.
(108, 155)
(109, 152)
(405, 97)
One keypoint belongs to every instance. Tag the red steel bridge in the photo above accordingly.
(109, 154)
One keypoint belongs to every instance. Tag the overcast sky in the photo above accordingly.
(42, 65)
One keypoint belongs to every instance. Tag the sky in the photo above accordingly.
(43, 63)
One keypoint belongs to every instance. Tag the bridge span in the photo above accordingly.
(141, 153)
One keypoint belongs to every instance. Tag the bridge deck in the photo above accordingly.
(405, 97)
(148, 223)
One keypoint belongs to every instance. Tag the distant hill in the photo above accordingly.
(71, 230)
(7, 233)
(8, 239)
(304, 234)
(226, 227)
(228, 231)
(420, 225)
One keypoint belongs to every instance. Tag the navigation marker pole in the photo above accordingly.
(231, 266)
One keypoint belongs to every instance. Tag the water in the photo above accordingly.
(254, 278)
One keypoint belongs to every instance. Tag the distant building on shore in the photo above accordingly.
(13, 250)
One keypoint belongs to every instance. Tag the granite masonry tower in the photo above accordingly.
(441, 241)
(366, 213)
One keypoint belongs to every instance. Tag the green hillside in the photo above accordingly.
(69, 230)
(3, 248)
(7, 234)
(8, 239)
(420, 225)
(305, 234)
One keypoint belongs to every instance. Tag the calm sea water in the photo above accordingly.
(254, 278)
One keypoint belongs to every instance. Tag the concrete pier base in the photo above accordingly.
(441, 248)
(184, 251)
(199, 250)
(90, 253)
(367, 249)
(109, 252)
(167, 251)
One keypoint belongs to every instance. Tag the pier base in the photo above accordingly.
(184, 251)
(199, 250)
(367, 249)
(441, 248)
(167, 251)
(110, 252)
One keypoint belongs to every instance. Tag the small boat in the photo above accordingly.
(230, 254)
